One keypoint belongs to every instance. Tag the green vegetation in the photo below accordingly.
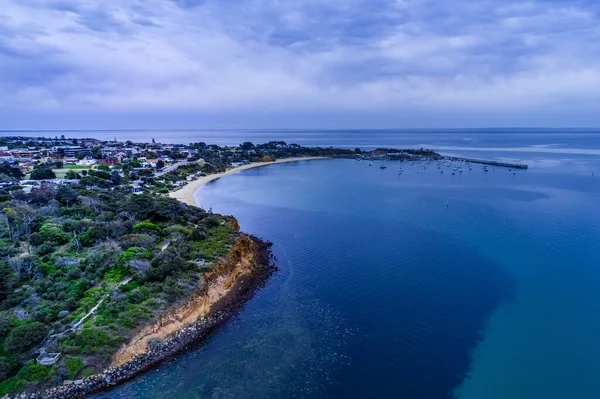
(42, 174)
(64, 250)
(10, 385)
(74, 366)
(8, 173)
(33, 372)
(25, 337)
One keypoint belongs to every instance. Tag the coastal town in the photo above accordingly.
(157, 166)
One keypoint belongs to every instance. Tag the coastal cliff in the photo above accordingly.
(225, 289)
(245, 259)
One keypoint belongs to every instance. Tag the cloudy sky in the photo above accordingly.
(298, 63)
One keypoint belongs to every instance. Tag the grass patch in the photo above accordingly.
(116, 274)
(87, 372)
(74, 365)
(10, 385)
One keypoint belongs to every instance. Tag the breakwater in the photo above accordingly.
(488, 162)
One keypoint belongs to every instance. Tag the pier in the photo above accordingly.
(487, 162)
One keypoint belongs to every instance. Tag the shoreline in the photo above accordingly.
(186, 193)
(189, 336)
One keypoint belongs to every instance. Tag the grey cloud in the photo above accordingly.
(211, 56)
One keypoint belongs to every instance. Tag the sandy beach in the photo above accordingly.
(186, 193)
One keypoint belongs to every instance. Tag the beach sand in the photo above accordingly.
(186, 193)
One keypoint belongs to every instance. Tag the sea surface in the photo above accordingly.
(420, 285)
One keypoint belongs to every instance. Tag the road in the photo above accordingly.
(171, 168)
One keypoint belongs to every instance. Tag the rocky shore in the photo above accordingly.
(159, 351)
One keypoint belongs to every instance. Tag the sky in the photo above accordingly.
(111, 64)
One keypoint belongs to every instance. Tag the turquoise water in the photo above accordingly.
(420, 285)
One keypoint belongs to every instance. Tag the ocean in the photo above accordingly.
(415, 285)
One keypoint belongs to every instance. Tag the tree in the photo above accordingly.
(8, 170)
(100, 174)
(53, 232)
(6, 277)
(25, 267)
(25, 337)
(116, 178)
(72, 175)
(66, 195)
(42, 174)
(247, 146)
(160, 164)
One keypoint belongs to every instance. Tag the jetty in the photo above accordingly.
(488, 162)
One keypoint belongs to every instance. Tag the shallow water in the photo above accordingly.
(419, 285)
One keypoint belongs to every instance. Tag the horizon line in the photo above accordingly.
(294, 129)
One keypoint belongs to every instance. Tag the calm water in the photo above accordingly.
(387, 291)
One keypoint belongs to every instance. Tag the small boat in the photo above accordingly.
(370, 163)
(382, 167)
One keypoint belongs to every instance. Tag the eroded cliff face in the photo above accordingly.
(245, 255)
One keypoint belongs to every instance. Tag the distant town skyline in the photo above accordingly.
(185, 64)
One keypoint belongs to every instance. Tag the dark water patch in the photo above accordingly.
(419, 300)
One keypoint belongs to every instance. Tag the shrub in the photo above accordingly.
(33, 372)
(137, 240)
(25, 337)
(5, 325)
(36, 239)
(5, 369)
(6, 277)
(45, 249)
(147, 226)
(54, 233)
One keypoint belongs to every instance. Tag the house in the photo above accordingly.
(87, 162)
(70, 151)
(109, 161)
(24, 153)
